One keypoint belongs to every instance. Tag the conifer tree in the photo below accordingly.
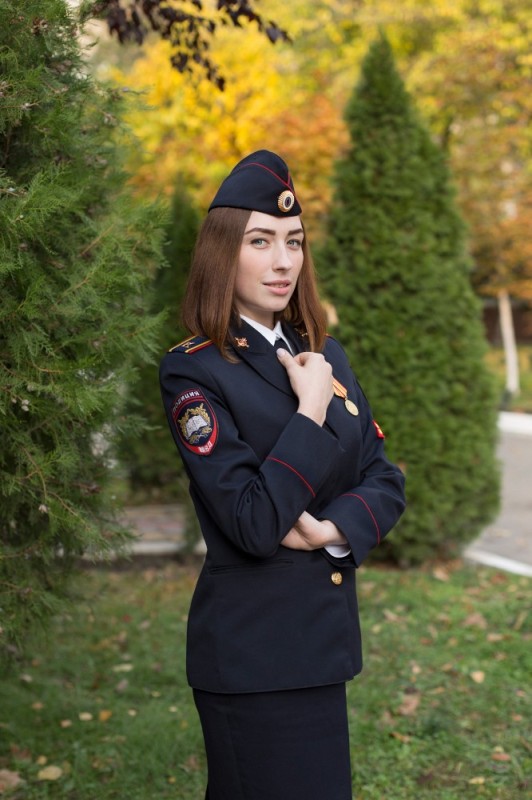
(75, 255)
(396, 269)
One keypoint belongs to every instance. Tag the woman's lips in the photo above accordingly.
(279, 287)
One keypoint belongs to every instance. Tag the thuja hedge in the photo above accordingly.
(76, 254)
(396, 269)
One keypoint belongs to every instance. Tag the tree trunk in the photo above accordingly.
(510, 348)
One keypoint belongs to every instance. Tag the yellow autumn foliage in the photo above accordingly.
(467, 64)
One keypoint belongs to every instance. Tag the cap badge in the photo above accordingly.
(286, 200)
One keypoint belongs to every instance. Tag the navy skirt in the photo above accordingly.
(289, 745)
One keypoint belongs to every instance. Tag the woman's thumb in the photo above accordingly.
(282, 354)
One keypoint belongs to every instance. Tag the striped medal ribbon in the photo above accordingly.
(341, 391)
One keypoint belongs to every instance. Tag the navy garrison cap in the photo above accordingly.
(260, 182)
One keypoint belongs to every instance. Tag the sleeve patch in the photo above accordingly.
(195, 422)
(378, 428)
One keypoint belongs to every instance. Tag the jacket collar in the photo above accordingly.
(251, 346)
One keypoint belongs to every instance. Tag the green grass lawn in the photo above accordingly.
(101, 710)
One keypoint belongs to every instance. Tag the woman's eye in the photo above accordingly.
(259, 242)
(295, 243)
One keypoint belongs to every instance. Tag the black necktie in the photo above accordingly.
(280, 343)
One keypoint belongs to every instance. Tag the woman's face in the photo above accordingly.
(271, 257)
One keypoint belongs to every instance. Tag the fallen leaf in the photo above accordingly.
(440, 574)
(42, 760)
(478, 676)
(500, 656)
(66, 723)
(475, 620)
(501, 757)
(387, 718)
(85, 716)
(9, 780)
(391, 616)
(521, 617)
(122, 685)
(494, 637)
(37, 706)
(20, 753)
(191, 764)
(477, 781)
(409, 704)
(104, 715)
(402, 737)
(123, 667)
(132, 712)
(51, 773)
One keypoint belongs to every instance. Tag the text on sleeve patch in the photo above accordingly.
(195, 422)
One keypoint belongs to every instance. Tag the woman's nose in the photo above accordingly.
(283, 259)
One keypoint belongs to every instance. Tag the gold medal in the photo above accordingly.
(341, 391)
(351, 407)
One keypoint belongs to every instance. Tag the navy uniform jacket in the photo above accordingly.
(264, 617)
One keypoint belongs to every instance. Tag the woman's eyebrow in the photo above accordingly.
(271, 232)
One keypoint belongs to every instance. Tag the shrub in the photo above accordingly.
(395, 267)
(75, 255)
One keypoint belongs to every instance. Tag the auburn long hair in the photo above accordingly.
(208, 305)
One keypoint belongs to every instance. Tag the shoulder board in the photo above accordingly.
(191, 345)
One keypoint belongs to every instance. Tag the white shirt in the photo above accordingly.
(337, 550)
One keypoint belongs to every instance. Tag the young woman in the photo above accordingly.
(291, 487)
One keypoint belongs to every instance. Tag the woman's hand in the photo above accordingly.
(311, 379)
(310, 533)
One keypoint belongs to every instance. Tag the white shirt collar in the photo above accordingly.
(268, 333)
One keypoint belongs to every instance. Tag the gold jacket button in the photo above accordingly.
(336, 578)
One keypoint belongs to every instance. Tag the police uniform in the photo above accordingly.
(273, 633)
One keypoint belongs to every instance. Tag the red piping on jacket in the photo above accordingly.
(370, 512)
(307, 484)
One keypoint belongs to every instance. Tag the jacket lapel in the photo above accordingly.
(250, 346)
(294, 339)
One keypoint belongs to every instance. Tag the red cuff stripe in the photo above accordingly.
(370, 512)
(307, 484)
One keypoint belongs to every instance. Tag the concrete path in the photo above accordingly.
(506, 544)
